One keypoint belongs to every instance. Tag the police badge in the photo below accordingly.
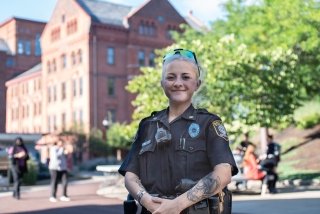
(194, 130)
(220, 130)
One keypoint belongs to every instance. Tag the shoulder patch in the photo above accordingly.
(220, 130)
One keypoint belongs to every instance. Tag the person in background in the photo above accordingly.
(58, 170)
(251, 167)
(18, 155)
(178, 145)
(273, 158)
(245, 142)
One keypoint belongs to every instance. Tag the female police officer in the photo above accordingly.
(176, 144)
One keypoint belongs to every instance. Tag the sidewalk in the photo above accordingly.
(96, 193)
(83, 194)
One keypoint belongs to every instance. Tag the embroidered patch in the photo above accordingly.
(220, 130)
(194, 130)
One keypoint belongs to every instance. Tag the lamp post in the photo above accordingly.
(106, 124)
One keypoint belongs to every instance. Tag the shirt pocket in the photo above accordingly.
(147, 146)
(191, 145)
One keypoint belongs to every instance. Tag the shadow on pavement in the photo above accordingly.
(97, 209)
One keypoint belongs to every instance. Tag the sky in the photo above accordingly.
(41, 10)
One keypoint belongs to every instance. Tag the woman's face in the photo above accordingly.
(180, 81)
(18, 142)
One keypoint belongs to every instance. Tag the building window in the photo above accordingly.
(80, 86)
(141, 58)
(37, 46)
(147, 29)
(63, 61)
(63, 121)
(81, 117)
(49, 66)
(49, 94)
(54, 65)
(110, 56)
(151, 59)
(39, 108)
(63, 91)
(20, 47)
(55, 34)
(28, 47)
(10, 62)
(74, 116)
(80, 57)
(73, 58)
(111, 86)
(72, 26)
(54, 123)
(112, 115)
(74, 86)
(54, 93)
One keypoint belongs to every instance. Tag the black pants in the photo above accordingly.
(56, 176)
(17, 180)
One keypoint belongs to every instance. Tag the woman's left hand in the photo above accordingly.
(167, 206)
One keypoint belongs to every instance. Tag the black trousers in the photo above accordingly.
(56, 176)
(17, 180)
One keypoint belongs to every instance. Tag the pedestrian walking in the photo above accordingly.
(58, 170)
(18, 156)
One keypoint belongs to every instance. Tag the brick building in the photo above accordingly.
(19, 51)
(90, 49)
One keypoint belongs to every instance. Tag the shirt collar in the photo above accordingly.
(188, 114)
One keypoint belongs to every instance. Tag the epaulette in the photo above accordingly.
(205, 111)
(151, 116)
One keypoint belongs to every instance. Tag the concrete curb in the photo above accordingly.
(300, 182)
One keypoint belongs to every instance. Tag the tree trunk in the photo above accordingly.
(118, 154)
(263, 139)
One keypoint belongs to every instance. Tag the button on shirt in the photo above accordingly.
(198, 143)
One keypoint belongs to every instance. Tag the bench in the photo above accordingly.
(248, 183)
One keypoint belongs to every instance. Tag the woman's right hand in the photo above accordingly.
(148, 203)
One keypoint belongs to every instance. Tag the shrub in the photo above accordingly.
(30, 178)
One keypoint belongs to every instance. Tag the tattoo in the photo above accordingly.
(138, 181)
(205, 188)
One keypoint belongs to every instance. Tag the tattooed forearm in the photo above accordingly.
(137, 180)
(206, 187)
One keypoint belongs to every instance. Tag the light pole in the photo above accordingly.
(106, 124)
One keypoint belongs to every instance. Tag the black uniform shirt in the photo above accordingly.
(198, 143)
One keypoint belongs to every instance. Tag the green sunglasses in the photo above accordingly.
(185, 53)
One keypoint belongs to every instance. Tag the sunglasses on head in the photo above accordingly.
(185, 53)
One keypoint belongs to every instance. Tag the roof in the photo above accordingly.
(105, 12)
(195, 23)
(34, 69)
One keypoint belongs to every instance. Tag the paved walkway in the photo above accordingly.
(83, 200)
(105, 195)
